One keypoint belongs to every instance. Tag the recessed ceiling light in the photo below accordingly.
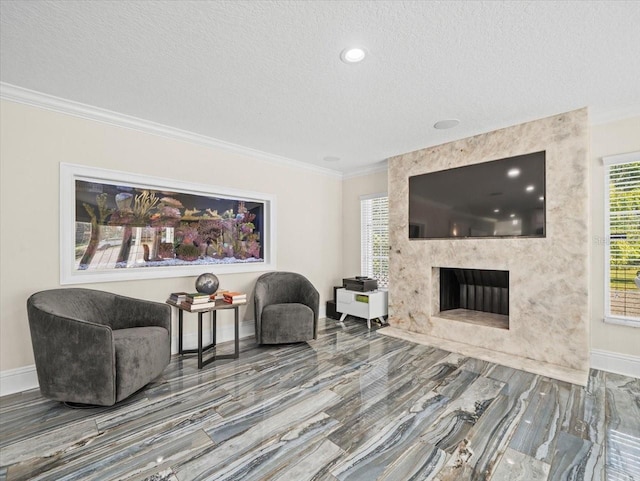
(541, 198)
(330, 158)
(530, 188)
(513, 172)
(446, 124)
(512, 215)
(352, 55)
(496, 210)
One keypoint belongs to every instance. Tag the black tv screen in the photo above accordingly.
(501, 198)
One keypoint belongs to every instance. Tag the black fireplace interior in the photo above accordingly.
(474, 289)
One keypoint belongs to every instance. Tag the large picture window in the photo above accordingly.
(622, 233)
(374, 231)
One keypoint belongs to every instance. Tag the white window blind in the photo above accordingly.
(374, 231)
(622, 234)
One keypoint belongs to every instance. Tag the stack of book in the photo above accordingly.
(218, 295)
(197, 298)
(231, 297)
(191, 301)
(197, 301)
(177, 297)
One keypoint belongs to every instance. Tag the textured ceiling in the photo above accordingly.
(267, 74)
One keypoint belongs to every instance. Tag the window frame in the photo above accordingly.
(363, 228)
(69, 274)
(608, 162)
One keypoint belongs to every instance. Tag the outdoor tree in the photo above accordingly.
(624, 212)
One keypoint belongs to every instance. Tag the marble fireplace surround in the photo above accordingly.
(548, 277)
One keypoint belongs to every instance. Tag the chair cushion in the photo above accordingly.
(282, 323)
(142, 353)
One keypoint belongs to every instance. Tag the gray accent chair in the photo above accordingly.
(94, 347)
(286, 308)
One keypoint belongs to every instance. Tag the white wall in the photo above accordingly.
(352, 189)
(608, 139)
(34, 141)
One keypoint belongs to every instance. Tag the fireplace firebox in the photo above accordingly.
(478, 296)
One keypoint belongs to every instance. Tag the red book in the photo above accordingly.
(234, 294)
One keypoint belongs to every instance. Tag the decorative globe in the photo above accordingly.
(207, 283)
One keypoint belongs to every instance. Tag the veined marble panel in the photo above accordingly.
(387, 409)
(516, 466)
(623, 427)
(576, 458)
(548, 277)
(57, 440)
(487, 440)
(537, 433)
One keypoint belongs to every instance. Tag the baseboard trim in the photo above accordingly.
(25, 378)
(614, 362)
(21, 379)
(17, 380)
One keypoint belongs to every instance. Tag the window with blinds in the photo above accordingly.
(374, 244)
(622, 246)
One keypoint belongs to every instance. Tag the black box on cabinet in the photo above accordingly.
(360, 284)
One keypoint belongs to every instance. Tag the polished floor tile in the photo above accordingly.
(350, 405)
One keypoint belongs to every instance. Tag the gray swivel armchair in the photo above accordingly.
(95, 347)
(286, 308)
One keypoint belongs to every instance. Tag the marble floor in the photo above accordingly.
(351, 405)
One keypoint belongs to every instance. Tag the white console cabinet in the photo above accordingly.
(367, 305)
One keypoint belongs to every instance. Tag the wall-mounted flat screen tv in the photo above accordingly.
(501, 198)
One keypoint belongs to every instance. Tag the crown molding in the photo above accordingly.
(382, 166)
(41, 100)
(615, 115)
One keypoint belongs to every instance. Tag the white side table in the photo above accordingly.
(367, 305)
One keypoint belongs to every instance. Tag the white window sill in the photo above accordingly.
(622, 321)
